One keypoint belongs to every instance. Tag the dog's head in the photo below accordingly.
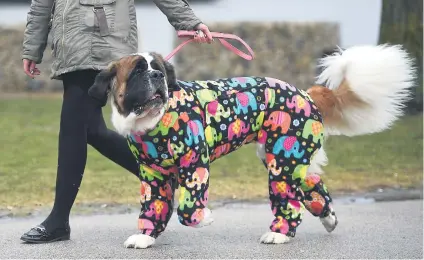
(138, 86)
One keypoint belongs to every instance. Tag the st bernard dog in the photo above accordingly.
(176, 129)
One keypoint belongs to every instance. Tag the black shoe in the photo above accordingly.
(39, 234)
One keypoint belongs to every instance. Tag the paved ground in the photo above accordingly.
(367, 230)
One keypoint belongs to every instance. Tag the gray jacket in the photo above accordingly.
(88, 34)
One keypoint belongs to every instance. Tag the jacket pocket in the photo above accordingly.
(99, 16)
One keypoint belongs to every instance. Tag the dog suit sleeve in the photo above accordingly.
(157, 201)
(193, 174)
(179, 14)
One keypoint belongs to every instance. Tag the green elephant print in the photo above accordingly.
(167, 122)
(314, 128)
(300, 172)
(177, 148)
(216, 110)
(206, 95)
(211, 136)
(259, 121)
(149, 174)
(185, 200)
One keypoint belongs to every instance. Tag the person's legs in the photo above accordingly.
(109, 143)
(78, 116)
(72, 156)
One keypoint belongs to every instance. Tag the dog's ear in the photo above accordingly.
(102, 84)
(171, 76)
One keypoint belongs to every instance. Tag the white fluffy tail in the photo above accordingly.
(366, 89)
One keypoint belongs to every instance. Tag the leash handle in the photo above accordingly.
(221, 37)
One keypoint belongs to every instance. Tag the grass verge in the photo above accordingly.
(28, 149)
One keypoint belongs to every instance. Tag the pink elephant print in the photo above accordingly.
(282, 189)
(145, 225)
(196, 217)
(237, 128)
(299, 103)
(159, 209)
(262, 136)
(189, 158)
(204, 199)
(279, 83)
(278, 119)
(280, 225)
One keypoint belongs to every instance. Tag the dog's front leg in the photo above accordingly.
(157, 194)
(194, 182)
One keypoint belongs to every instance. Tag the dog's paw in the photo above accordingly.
(274, 238)
(330, 222)
(207, 219)
(139, 241)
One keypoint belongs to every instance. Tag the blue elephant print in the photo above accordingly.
(147, 146)
(289, 145)
(242, 82)
(195, 132)
(245, 100)
(188, 84)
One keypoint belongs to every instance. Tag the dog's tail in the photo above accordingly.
(363, 89)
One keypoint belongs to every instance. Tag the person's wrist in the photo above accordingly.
(196, 27)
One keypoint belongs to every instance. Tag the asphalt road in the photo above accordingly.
(368, 230)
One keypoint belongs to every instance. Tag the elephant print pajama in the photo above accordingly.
(209, 119)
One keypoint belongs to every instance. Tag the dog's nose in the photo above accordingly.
(156, 74)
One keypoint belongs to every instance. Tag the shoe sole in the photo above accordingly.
(62, 238)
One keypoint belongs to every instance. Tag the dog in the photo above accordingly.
(176, 129)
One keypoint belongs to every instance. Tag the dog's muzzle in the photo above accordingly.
(155, 91)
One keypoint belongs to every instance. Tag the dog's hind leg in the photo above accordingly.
(285, 193)
(317, 199)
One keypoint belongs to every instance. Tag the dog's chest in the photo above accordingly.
(152, 151)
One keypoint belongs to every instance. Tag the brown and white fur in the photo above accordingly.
(361, 90)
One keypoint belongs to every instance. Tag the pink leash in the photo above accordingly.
(221, 37)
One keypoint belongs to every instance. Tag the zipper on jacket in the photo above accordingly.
(63, 29)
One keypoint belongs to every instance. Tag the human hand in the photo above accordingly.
(30, 69)
(204, 35)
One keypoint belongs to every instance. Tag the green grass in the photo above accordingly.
(28, 148)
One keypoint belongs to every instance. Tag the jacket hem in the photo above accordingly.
(58, 74)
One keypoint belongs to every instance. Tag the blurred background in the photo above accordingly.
(287, 36)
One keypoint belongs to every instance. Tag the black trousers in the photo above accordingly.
(82, 123)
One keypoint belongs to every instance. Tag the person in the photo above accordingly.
(86, 36)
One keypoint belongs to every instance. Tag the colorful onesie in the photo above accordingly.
(208, 119)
